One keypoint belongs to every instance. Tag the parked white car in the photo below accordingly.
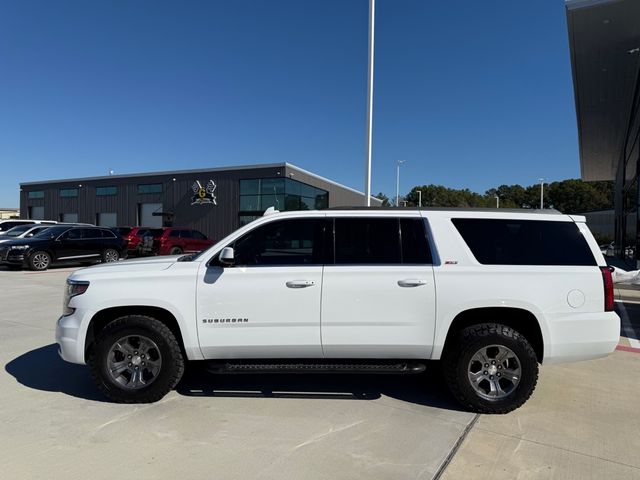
(22, 231)
(490, 293)
(6, 225)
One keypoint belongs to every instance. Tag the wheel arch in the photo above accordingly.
(521, 320)
(103, 317)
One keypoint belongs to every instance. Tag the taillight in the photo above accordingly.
(607, 280)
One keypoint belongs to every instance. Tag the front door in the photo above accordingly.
(268, 304)
(378, 299)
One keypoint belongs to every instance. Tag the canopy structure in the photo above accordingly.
(604, 40)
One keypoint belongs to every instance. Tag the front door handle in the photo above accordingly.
(412, 282)
(300, 283)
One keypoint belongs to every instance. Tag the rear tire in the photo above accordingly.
(490, 368)
(39, 261)
(136, 359)
(110, 255)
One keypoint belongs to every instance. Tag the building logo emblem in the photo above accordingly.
(202, 195)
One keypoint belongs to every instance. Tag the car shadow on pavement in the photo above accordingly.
(42, 369)
(427, 389)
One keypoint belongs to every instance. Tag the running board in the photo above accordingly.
(313, 366)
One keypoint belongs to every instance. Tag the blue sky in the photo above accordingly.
(471, 94)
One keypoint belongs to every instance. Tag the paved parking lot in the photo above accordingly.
(581, 423)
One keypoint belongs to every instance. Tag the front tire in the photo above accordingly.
(175, 251)
(39, 261)
(491, 368)
(136, 359)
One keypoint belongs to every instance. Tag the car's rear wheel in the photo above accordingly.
(39, 261)
(110, 255)
(491, 368)
(136, 359)
(175, 251)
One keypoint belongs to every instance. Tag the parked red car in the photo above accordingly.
(132, 237)
(174, 241)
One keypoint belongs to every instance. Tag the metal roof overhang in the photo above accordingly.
(604, 37)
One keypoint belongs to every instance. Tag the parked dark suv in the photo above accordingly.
(61, 244)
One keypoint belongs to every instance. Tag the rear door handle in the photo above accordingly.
(412, 282)
(300, 283)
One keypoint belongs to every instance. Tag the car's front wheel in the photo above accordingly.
(136, 359)
(491, 368)
(175, 251)
(39, 261)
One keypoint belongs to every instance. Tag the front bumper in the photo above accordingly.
(71, 332)
(12, 257)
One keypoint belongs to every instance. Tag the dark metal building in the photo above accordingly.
(604, 38)
(214, 201)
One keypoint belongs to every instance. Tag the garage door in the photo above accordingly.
(36, 213)
(69, 218)
(107, 219)
(146, 215)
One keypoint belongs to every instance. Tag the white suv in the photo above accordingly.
(491, 293)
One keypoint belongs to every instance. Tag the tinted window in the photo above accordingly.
(150, 188)
(123, 231)
(68, 192)
(285, 242)
(185, 234)
(415, 246)
(102, 191)
(73, 234)
(367, 240)
(174, 233)
(524, 242)
(36, 194)
(154, 232)
(141, 233)
(90, 233)
(9, 225)
(108, 233)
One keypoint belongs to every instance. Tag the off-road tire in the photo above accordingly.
(37, 261)
(455, 365)
(172, 360)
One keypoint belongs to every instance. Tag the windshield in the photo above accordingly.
(17, 231)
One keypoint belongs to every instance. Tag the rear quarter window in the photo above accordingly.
(525, 242)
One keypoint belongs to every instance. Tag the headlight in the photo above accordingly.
(20, 247)
(74, 288)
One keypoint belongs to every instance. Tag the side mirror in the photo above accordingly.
(227, 256)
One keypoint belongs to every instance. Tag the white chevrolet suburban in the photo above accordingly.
(490, 293)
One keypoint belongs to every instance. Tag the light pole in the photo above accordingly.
(541, 193)
(420, 198)
(497, 201)
(367, 175)
(398, 163)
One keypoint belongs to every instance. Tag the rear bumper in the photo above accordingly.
(581, 336)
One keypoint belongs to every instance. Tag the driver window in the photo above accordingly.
(73, 234)
(284, 242)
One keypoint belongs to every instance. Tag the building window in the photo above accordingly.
(68, 192)
(36, 213)
(36, 194)
(150, 188)
(104, 191)
(256, 195)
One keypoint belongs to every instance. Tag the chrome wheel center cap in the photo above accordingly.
(136, 360)
(493, 370)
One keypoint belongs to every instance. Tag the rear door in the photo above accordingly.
(378, 298)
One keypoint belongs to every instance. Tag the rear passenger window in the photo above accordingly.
(174, 234)
(185, 234)
(525, 242)
(367, 241)
(415, 246)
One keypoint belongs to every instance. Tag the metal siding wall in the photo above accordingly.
(215, 221)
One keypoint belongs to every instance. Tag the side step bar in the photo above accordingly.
(314, 366)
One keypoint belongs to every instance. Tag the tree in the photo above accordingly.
(384, 198)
